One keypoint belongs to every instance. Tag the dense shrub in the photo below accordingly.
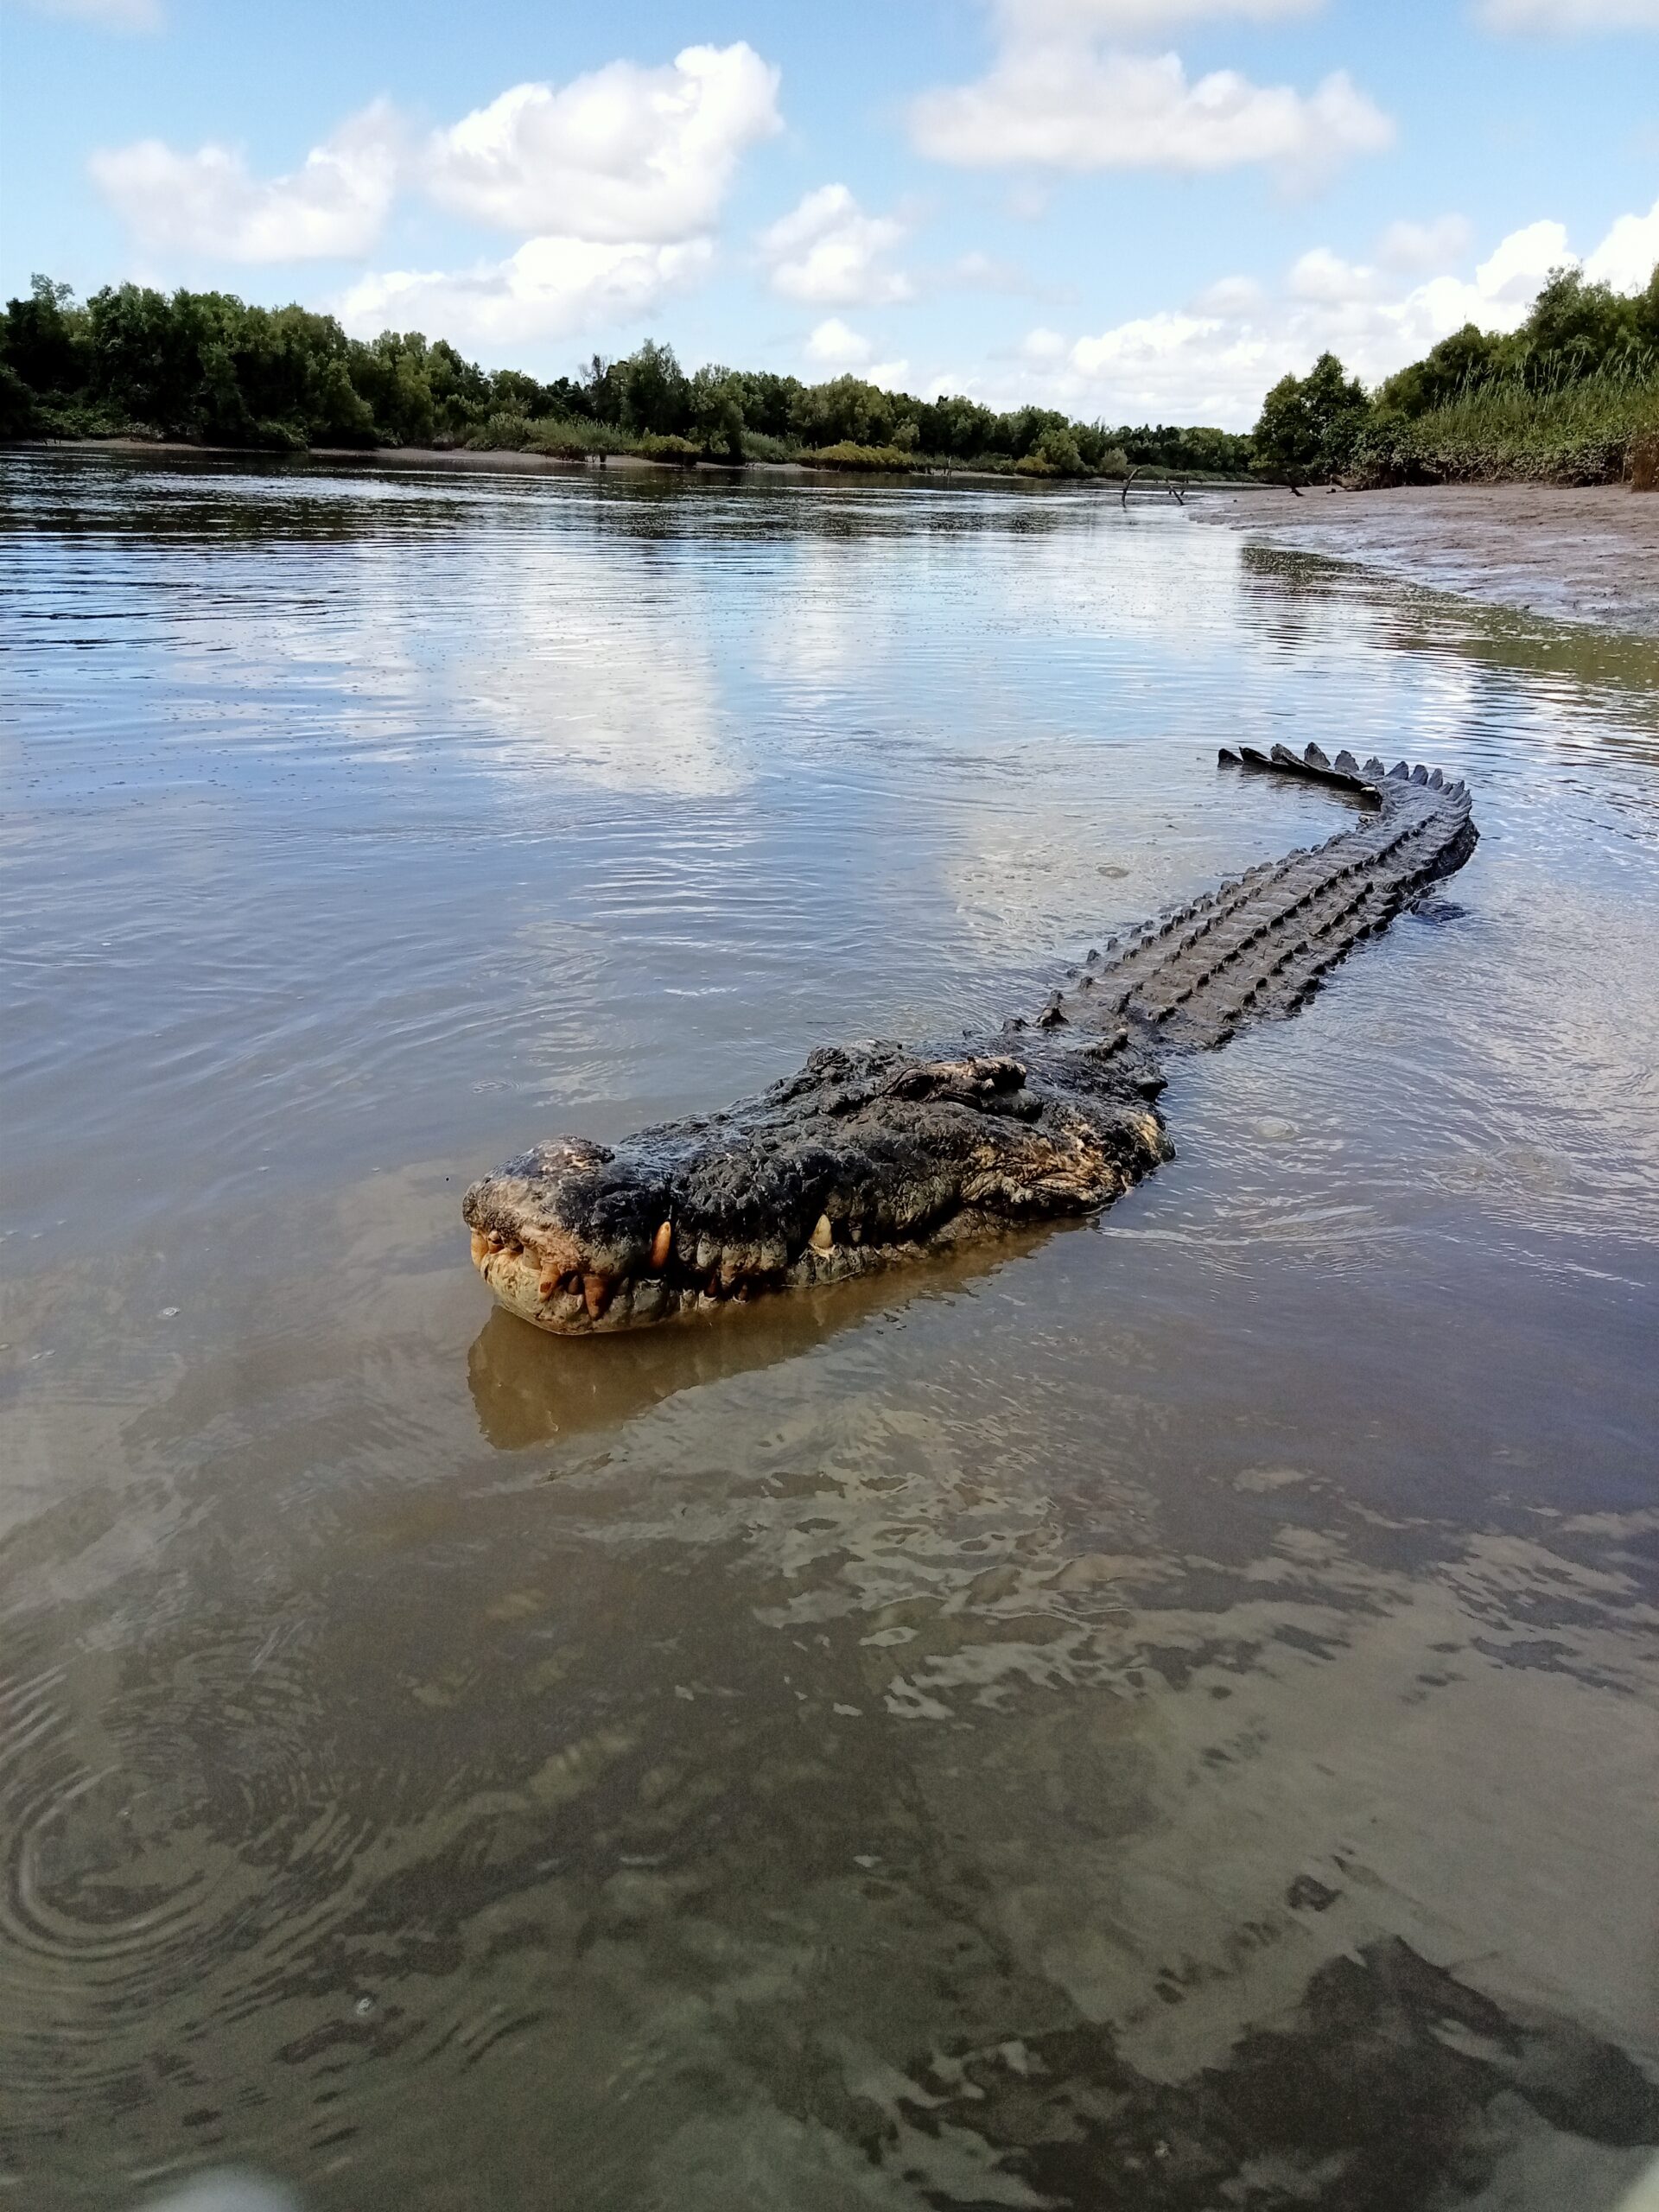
(847, 455)
(572, 437)
(682, 453)
(1582, 432)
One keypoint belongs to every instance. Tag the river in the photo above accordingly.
(1162, 1715)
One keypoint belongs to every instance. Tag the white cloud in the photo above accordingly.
(1627, 256)
(835, 345)
(205, 202)
(891, 376)
(550, 288)
(1065, 107)
(618, 176)
(1510, 275)
(1237, 296)
(828, 252)
(1321, 275)
(1569, 18)
(1424, 245)
(108, 14)
(1178, 366)
(623, 155)
(1213, 361)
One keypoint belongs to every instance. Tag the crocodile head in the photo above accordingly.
(866, 1157)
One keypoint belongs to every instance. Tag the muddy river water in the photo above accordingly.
(1161, 1715)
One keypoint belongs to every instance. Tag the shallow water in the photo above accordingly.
(1164, 1714)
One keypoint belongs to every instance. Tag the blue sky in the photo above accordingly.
(1127, 207)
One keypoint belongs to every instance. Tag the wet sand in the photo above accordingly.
(1585, 555)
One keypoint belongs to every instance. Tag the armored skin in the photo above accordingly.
(877, 1153)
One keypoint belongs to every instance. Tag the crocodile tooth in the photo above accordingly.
(823, 1236)
(480, 1246)
(595, 1296)
(661, 1246)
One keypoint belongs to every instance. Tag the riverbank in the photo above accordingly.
(498, 461)
(1588, 554)
(492, 460)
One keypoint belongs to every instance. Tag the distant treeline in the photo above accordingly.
(207, 368)
(1568, 396)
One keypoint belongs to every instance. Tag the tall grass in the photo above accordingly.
(874, 459)
(573, 437)
(1582, 431)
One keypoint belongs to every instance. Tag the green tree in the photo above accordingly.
(1574, 328)
(1469, 358)
(44, 342)
(1309, 425)
(715, 407)
(655, 394)
(846, 410)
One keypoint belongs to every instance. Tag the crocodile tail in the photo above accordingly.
(1263, 943)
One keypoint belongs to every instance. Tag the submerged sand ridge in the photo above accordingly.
(1586, 554)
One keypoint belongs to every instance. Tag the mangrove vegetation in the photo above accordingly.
(1568, 396)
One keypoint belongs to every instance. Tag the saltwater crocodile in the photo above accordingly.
(877, 1153)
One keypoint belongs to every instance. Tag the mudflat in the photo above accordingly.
(1580, 554)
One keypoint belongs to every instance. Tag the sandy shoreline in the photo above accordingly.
(1588, 556)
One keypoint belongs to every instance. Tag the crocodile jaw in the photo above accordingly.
(866, 1160)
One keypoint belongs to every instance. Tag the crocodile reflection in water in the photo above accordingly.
(522, 1397)
(876, 1154)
